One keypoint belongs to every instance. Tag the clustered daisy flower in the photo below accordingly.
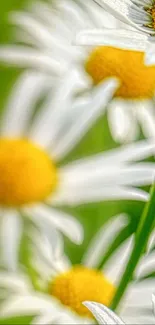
(64, 287)
(33, 183)
(54, 44)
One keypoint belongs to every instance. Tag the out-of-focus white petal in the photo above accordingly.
(55, 109)
(102, 240)
(122, 121)
(11, 232)
(23, 56)
(100, 176)
(125, 154)
(137, 299)
(150, 54)
(101, 95)
(126, 39)
(103, 314)
(23, 97)
(48, 243)
(44, 319)
(29, 305)
(68, 225)
(43, 35)
(99, 194)
(116, 265)
(15, 282)
(146, 116)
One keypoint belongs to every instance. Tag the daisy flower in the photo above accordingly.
(32, 146)
(132, 106)
(139, 16)
(47, 32)
(64, 287)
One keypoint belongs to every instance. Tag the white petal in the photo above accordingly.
(100, 97)
(91, 195)
(100, 243)
(98, 18)
(146, 116)
(55, 109)
(124, 154)
(153, 300)
(11, 228)
(44, 319)
(17, 282)
(48, 243)
(65, 223)
(28, 305)
(150, 54)
(115, 266)
(20, 104)
(121, 9)
(122, 121)
(120, 38)
(23, 56)
(137, 298)
(44, 35)
(106, 175)
(103, 314)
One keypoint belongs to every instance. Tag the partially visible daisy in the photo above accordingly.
(139, 15)
(45, 42)
(65, 287)
(133, 103)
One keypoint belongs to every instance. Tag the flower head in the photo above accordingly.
(64, 287)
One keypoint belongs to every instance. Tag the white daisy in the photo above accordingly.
(32, 183)
(132, 106)
(49, 31)
(66, 287)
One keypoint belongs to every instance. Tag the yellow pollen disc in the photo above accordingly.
(27, 174)
(80, 284)
(137, 81)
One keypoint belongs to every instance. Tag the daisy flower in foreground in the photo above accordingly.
(139, 15)
(64, 287)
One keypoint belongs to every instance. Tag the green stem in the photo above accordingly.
(147, 221)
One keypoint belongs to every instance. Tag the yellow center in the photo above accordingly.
(137, 81)
(27, 174)
(80, 284)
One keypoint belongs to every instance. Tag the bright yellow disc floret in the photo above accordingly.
(80, 284)
(27, 174)
(137, 81)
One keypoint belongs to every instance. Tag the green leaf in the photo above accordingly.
(147, 221)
